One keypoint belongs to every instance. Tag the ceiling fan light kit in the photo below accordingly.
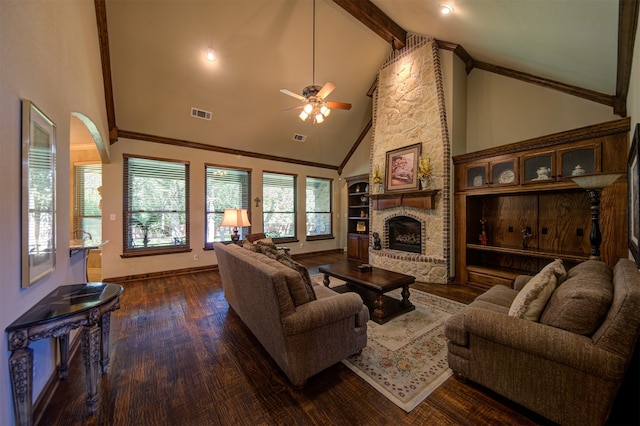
(313, 104)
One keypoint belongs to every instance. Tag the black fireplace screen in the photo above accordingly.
(404, 234)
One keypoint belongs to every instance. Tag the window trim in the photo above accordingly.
(329, 235)
(294, 238)
(77, 217)
(128, 252)
(209, 245)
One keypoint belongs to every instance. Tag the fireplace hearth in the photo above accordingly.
(405, 234)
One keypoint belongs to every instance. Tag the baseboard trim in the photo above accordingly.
(161, 274)
(208, 268)
(316, 253)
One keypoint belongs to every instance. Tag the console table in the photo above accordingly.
(66, 308)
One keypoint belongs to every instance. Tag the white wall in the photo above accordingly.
(50, 55)
(503, 110)
(115, 266)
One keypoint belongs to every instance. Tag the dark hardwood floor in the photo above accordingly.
(180, 356)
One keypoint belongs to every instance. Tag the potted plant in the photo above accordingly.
(424, 171)
(377, 178)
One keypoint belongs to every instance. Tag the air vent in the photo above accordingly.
(200, 113)
(298, 137)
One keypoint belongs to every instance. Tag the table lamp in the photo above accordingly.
(235, 218)
(594, 184)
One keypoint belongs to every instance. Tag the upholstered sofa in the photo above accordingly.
(304, 327)
(567, 361)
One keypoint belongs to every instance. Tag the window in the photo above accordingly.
(319, 208)
(226, 189)
(156, 200)
(87, 210)
(279, 206)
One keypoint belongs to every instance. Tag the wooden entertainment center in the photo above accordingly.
(531, 211)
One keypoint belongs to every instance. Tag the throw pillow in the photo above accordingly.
(531, 300)
(251, 247)
(304, 273)
(581, 304)
(265, 241)
(266, 248)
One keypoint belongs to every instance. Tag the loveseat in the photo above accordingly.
(304, 327)
(567, 360)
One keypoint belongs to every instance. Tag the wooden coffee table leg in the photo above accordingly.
(405, 297)
(325, 280)
(378, 312)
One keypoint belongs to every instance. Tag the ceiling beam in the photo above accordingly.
(364, 132)
(627, 27)
(105, 59)
(580, 92)
(376, 20)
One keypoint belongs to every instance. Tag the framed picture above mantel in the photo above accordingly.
(401, 168)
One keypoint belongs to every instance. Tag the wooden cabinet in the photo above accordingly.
(521, 199)
(358, 218)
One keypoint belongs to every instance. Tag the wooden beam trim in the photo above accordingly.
(580, 92)
(376, 20)
(460, 52)
(355, 145)
(196, 145)
(608, 128)
(627, 27)
(105, 59)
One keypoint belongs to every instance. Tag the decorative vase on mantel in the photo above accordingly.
(424, 183)
(377, 187)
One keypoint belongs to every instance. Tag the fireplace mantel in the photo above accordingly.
(424, 199)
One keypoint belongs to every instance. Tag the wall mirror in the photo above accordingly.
(38, 194)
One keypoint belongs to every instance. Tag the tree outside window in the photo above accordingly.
(319, 207)
(156, 199)
(226, 189)
(279, 205)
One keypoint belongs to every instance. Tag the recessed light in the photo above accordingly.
(210, 54)
(445, 9)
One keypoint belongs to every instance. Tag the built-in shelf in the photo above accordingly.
(543, 254)
(425, 199)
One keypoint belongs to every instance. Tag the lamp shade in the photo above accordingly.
(235, 217)
(597, 180)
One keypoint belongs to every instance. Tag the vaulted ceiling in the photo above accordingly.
(156, 71)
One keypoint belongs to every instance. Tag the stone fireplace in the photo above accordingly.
(409, 108)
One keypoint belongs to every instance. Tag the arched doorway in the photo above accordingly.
(87, 153)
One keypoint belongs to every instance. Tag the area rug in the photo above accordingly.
(406, 358)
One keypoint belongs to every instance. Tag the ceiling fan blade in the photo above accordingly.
(295, 95)
(293, 108)
(326, 90)
(338, 105)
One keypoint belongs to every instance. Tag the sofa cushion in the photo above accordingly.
(581, 303)
(304, 274)
(531, 300)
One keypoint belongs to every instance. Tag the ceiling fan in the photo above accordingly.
(313, 97)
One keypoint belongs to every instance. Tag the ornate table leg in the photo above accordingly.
(325, 280)
(91, 358)
(105, 326)
(405, 297)
(63, 368)
(378, 312)
(21, 372)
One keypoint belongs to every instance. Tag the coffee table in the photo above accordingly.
(371, 286)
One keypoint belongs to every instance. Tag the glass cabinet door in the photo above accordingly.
(539, 168)
(584, 160)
